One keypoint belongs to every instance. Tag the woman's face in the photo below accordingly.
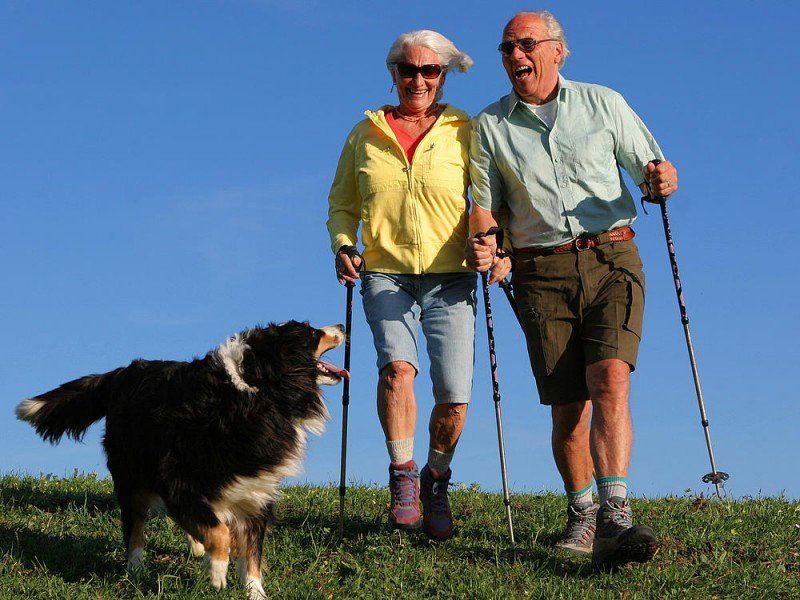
(416, 94)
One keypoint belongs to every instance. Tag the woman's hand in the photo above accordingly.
(480, 253)
(347, 264)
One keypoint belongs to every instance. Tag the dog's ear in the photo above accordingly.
(249, 368)
(258, 343)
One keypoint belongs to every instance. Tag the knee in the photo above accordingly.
(457, 409)
(452, 412)
(608, 382)
(397, 376)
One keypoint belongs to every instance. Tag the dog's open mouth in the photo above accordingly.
(327, 369)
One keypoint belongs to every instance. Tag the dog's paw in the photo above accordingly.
(218, 572)
(196, 548)
(255, 590)
(135, 559)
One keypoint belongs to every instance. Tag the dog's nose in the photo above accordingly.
(340, 327)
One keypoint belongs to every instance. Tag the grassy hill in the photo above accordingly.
(60, 538)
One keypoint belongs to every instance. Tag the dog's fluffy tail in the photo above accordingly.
(70, 408)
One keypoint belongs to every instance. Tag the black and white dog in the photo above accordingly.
(211, 439)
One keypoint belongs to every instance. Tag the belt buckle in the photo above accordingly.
(586, 239)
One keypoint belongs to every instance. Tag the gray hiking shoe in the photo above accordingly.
(617, 540)
(578, 536)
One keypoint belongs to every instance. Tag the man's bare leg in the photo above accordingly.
(570, 441)
(611, 432)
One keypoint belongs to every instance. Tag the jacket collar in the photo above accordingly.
(449, 115)
(511, 101)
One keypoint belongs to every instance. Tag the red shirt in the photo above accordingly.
(408, 142)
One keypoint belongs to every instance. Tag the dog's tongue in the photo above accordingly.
(334, 369)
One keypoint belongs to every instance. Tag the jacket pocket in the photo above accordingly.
(388, 219)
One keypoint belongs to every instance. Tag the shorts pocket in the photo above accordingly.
(534, 326)
(634, 308)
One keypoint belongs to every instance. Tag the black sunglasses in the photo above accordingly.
(409, 71)
(524, 44)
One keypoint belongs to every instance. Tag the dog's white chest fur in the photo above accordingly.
(247, 496)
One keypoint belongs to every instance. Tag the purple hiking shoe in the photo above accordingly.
(404, 489)
(437, 519)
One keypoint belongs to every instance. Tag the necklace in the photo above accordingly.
(435, 109)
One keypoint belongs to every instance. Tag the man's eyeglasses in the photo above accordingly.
(409, 71)
(524, 44)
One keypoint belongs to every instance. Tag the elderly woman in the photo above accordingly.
(403, 175)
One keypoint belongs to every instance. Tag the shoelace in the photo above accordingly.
(404, 486)
(620, 515)
(582, 525)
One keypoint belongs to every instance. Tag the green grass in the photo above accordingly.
(60, 538)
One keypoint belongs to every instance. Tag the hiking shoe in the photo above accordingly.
(578, 536)
(404, 489)
(437, 520)
(617, 540)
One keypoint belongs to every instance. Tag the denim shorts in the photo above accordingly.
(444, 304)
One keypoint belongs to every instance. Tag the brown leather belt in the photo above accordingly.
(582, 242)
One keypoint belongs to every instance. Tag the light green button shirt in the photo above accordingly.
(558, 184)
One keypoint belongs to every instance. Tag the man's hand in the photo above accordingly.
(500, 269)
(481, 253)
(347, 268)
(662, 178)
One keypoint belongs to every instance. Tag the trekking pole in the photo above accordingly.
(487, 303)
(505, 285)
(345, 405)
(351, 252)
(716, 477)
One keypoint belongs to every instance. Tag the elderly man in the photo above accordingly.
(547, 158)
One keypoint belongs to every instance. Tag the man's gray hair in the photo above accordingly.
(554, 29)
(449, 56)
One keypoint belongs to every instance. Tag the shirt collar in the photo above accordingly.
(512, 100)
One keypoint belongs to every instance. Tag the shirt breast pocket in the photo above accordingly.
(593, 158)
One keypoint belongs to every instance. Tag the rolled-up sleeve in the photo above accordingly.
(487, 186)
(344, 200)
(634, 146)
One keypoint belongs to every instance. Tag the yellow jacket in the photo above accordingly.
(414, 215)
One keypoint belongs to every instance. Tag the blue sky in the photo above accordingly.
(164, 170)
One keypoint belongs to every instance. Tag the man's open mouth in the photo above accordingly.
(522, 71)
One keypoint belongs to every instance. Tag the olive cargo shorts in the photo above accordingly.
(578, 308)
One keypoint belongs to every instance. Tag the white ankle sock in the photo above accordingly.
(400, 451)
(612, 486)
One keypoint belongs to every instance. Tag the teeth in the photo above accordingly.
(522, 69)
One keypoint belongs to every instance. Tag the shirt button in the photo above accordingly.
(555, 160)
(563, 183)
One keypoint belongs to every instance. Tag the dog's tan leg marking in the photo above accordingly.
(139, 508)
(217, 542)
(247, 541)
(195, 547)
(252, 578)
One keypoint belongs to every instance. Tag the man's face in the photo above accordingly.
(533, 74)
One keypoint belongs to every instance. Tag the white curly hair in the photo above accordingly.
(451, 57)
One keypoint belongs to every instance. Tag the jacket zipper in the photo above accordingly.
(408, 170)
